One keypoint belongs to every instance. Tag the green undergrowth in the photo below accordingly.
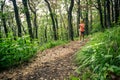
(99, 59)
(52, 44)
(14, 52)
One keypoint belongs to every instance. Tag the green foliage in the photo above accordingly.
(73, 78)
(52, 44)
(101, 56)
(96, 27)
(14, 52)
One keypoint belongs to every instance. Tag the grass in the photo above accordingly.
(52, 44)
(15, 52)
(101, 56)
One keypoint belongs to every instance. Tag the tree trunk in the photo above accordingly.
(34, 11)
(70, 26)
(105, 14)
(18, 21)
(90, 22)
(3, 19)
(112, 8)
(108, 14)
(78, 17)
(56, 23)
(100, 12)
(28, 18)
(35, 25)
(116, 11)
(53, 21)
(87, 21)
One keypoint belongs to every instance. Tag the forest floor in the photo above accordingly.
(51, 64)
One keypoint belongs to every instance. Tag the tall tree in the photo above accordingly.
(78, 16)
(100, 13)
(3, 18)
(53, 20)
(116, 10)
(113, 13)
(18, 21)
(108, 14)
(25, 2)
(105, 14)
(91, 19)
(86, 20)
(33, 7)
(70, 26)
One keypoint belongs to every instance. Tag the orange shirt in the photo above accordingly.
(82, 27)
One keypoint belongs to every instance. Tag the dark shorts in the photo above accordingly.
(82, 33)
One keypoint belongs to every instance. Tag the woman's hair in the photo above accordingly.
(81, 21)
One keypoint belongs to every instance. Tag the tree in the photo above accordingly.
(25, 2)
(53, 20)
(18, 21)
(105, 14)
(3, 18)
(70, 26)
(91, 19)
(100, 13)
(108, 13)
(78, 16)
(86, 19)
(117, 10)
(33, 7)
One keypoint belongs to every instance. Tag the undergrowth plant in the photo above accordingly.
(14, 52)
(100, 58)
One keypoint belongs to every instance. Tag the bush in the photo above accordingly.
(101, 56)
(14, 52)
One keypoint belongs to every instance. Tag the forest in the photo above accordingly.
(40, 35)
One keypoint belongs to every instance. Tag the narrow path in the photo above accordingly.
(51, 64)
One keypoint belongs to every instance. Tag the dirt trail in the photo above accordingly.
(51, 64)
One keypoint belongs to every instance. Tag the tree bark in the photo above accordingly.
(34, 11)
(78, 17)
(70, 26)
(3, 19)
(91, 19)
(116, 10)
(112, 8)
(105, 14)
(28, 18)
(100, 12)
(87, 21)
(53, 21)
(18, 21)
(108, 14)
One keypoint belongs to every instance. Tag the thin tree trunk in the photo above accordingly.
(113, 14)
(108, 14)
(3, 19)
(28, 18)
(116, 11)
(53, 21)
(100, 12)
(87, 21)
(56, 21)
(78, 17)
(36, 26)
(18, 21)
(35, 20)
(105, 14)
(70, 26)
(90, 17)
